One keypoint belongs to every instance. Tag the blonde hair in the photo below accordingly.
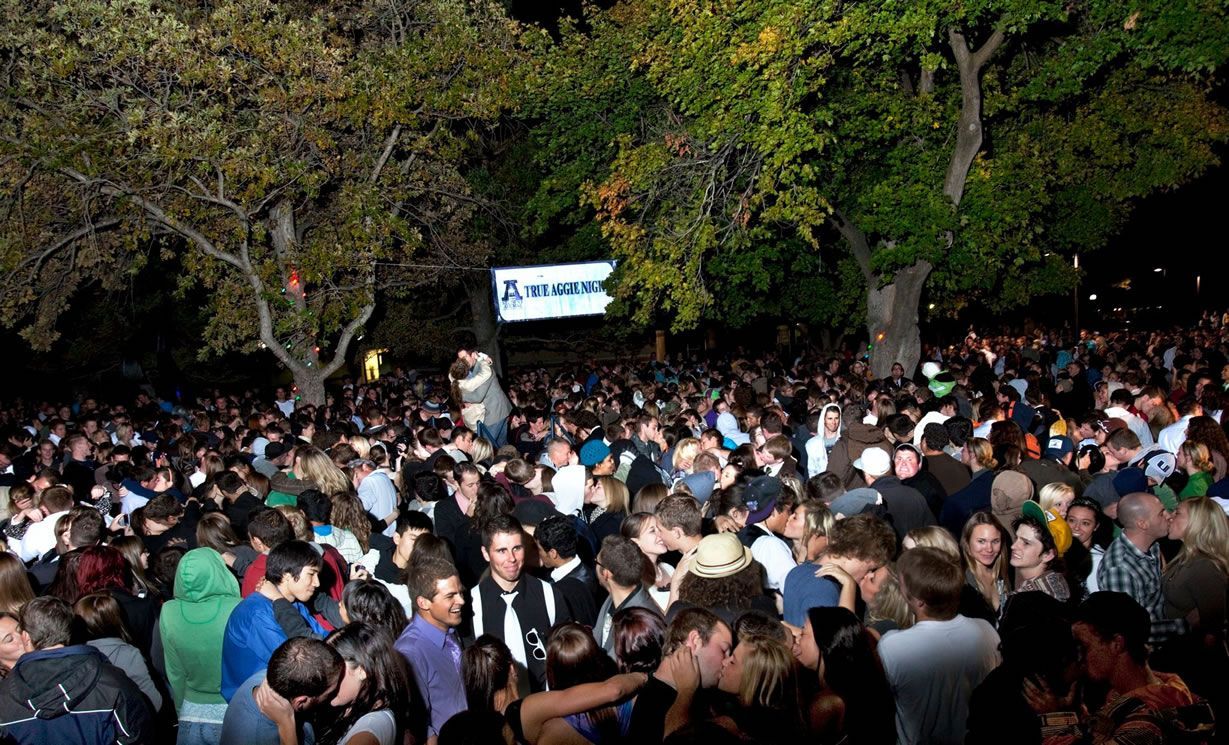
(481, 451)
(819, 521)
(1051, 493)
(795, 485)
(311, 464)
(685, 451)
(617, 496)
(361, 445)
(1199, 455)
(933, 536)
(982, 452)
(1207, 536)
(770, 677)
(889, 604)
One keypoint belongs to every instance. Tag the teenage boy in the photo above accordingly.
(388, 565)
(269, 616)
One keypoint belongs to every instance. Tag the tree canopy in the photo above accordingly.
(820, 160)
(301, 158)
(726, 148)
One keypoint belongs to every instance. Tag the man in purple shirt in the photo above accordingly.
(430, 641)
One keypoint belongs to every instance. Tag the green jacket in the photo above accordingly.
(285, 488)
(1197, 486)
(192, 626)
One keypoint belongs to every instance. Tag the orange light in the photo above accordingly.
(879, 337)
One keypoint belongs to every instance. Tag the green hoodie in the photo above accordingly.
(192, 626)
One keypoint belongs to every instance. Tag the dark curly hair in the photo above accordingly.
(734, 592)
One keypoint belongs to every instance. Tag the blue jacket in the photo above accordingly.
(72, 695)
(252, 635)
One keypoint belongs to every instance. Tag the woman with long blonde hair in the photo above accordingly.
(763, 676)
(313, 466)
(808, 527)
(1194, 582)
(606, 502)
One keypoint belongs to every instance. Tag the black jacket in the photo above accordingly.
(582, 593)
(905, 504)
(72, 694)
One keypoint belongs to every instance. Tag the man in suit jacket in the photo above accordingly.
(558, 542)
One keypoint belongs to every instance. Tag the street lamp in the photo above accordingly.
(1092, 296)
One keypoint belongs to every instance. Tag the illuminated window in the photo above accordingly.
(372, 359)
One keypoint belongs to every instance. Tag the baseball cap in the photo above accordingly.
(275, 450)
(1158, 465)
(1060, 531)
(761, 498)
(874, 462)
(855, 501)
(701, 485)
(1059, 447)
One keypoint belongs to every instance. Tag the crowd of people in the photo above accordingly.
(1025, 542)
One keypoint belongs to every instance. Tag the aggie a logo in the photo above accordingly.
(512, 295)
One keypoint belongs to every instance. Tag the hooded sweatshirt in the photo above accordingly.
(857, 437)
(819, 446)
(193, 625)
(71, 694)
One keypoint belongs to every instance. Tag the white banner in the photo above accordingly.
(532, 293)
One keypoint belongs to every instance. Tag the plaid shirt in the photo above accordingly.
(1127, 569)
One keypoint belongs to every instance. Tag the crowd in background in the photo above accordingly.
(1027, 541)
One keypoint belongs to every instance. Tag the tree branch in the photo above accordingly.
(351, 328)
(72, 237)
(988, 47)
(969, 135)
(154, 211)
(858, 245)
(389, 143)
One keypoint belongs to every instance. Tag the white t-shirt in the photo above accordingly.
(40, 537)
(933, 668)
(380, 723)
(776, 558)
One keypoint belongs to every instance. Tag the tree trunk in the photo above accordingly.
(486, 331)
(891, 320)
(310, 382)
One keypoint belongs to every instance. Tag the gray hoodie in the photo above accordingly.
(128, 658)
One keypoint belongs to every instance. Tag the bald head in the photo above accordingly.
(1135, 508)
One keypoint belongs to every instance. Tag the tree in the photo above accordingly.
(303, 159)
(964, 149)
